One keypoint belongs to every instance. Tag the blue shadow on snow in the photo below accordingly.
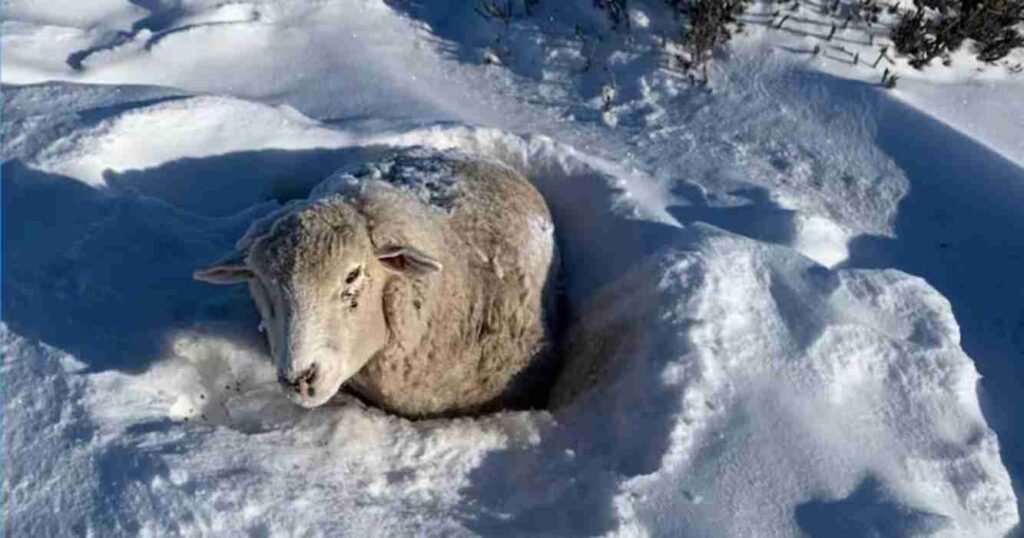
(961, 228)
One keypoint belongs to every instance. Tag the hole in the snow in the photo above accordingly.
(598, 236)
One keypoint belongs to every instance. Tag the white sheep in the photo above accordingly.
(422, 282)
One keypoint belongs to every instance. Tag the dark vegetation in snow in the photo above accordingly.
(709, 24)
(935, 28)
(931, 29)
(705, 25)
(616, 10)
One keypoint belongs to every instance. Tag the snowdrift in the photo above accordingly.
(724, 386)
(759, 393)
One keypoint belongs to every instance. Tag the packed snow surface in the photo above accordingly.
(781, 286)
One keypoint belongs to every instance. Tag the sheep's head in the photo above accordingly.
(317, 281)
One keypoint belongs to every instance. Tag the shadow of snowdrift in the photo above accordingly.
(867, 511)
(569, 484)
(961, 228)
(106, 274)
(761, 219)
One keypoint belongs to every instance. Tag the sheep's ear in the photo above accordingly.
(230, 270)
(406, 259)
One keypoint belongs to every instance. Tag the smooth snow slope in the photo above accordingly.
(747, 389)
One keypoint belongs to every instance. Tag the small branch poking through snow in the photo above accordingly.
(491, 10)
(889, 79)
(617, 11)
(881, 54)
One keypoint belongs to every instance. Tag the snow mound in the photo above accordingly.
(765, 386)
(186, 128)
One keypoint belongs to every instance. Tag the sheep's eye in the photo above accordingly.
(353, 275)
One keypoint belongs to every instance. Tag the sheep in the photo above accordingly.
(422, 282)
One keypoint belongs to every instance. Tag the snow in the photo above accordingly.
(759, 364)
(986, 110)
(128, 142)
(783, 286)
(425, 175)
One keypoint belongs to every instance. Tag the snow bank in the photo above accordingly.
(749, 388)
(169, 130)
(351, 59)
(737, 388)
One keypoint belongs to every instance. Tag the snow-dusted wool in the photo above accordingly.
(421, 280)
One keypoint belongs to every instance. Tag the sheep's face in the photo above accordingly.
(318, 286)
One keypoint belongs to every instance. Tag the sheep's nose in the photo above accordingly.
(302, 383)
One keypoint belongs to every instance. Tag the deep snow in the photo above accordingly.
(744, 389)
